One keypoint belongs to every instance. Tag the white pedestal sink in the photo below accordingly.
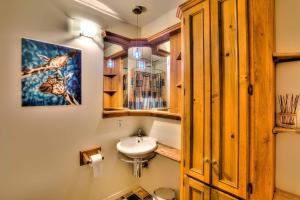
(139, 149)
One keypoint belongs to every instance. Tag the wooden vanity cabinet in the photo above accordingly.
(216, 80)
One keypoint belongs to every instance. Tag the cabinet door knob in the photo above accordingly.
(214, 162)
(206, 160)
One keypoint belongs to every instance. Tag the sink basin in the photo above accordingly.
(137, 147)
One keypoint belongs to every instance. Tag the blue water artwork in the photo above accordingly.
(51, 74)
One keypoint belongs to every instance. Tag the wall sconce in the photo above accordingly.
(88, 29)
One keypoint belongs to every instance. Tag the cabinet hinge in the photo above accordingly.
(250, 89)
(249, 188)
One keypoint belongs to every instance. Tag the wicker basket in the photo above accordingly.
(286, 120)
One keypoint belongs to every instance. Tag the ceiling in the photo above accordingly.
(155, 8)
(122, 8)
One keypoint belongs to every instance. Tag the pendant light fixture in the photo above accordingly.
(137, 51)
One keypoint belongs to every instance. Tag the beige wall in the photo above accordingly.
(162, 172)
(287, 81)
(39, 146)
(161, 23)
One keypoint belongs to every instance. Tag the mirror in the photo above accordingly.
(138, 76)
(146, 80)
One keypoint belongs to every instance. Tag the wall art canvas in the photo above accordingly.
(51, 74)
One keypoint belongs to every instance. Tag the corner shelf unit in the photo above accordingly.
(281, 57)
(113, 81)
(169, 152)
(277, 130)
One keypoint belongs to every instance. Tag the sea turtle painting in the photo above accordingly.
(51, 74)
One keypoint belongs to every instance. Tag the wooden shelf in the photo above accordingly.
(179, 85)
(283, 195)
(126, 112)
(112, 108)
(110, 92)
(110, 75)
(169, 152)
(286, 57)
(285, 130)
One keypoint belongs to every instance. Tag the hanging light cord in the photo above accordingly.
(137, 28)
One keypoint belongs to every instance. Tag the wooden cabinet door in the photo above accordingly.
(230, 80)
(197, 99)
(194, 190)
(217, 195)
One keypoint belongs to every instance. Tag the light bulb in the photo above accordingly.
(110, 63)
(141, 64)
(137, 53)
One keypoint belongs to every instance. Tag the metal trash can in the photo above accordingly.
(164, 194)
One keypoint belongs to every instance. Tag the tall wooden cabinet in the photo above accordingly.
(216, 99)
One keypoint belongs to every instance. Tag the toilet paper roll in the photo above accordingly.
(96, 164)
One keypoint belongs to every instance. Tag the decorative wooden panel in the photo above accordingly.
(197, 124)
(194, 190)
(230, 80)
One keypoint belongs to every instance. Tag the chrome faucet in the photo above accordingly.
(140, 132)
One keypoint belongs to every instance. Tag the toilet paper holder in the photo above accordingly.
(85, 156)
